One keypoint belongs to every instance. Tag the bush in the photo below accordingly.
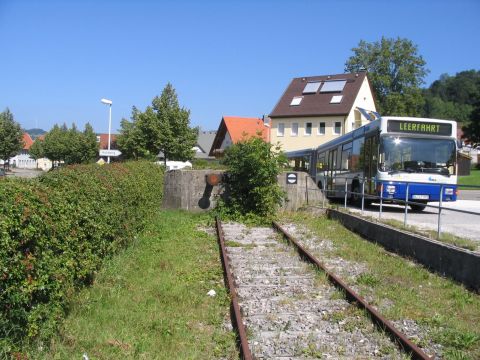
(54, 234)
(252, 169)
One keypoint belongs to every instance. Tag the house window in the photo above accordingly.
(294, 129)
(338, 128)
(321, 128)
(296, 100)
(308, 128)
(336, 99)
(280, 129)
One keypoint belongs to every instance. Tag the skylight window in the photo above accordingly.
(296, 100)
(312, 87)
(336, 99)
(333, 86)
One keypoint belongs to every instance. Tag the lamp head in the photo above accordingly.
(106, 101)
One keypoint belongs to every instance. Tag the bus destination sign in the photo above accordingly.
(417, 127)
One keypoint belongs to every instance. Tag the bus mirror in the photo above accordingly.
(459, 144)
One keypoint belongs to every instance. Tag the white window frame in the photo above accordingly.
(305, 129)
(335, 128)
(294, 125)
(281, 126)
(319, 127)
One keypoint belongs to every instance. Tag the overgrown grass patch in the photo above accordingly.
(472, 179)
(405, 290)
(150, 302)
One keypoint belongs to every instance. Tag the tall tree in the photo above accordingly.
(396, 72)
(70, 145)
(36, 150)
(11, 136)
(55, 144)
(130, 140)
(88, 145)
(163, 127)
(458, 98)
(176, 139)
(472, 129)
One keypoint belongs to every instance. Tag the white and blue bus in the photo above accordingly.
(398, 154)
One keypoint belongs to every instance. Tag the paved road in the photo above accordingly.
(459, 224)
(469, 195)
(24, 173)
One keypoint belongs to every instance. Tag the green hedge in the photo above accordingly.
(55, 233)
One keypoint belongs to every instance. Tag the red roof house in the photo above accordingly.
(103, 140)
(232, 129)
(27, 141)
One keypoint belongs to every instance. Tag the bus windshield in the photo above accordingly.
(417, 155)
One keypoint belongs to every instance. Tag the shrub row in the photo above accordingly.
(54, 234)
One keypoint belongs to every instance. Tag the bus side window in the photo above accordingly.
(374, 151)
(321, 166)
(339, 158)
(356, 163)
(332, 159)
(346, 155)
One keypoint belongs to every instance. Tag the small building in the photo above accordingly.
(232, 129)
(102, 140)
(314, 110)
(23, 159)
(464, 162)
(204, 144)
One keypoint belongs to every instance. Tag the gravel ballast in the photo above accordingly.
(290, 310)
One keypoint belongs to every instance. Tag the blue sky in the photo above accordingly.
(59, 58)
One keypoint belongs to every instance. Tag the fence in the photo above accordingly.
(347, 193)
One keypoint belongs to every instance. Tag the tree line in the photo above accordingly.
(60, 144)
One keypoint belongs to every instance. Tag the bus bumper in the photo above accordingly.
(417, 192)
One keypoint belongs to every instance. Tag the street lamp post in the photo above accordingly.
(109, 103)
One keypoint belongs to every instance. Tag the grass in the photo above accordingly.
(472, 179)
(151, 302)
(403, 290)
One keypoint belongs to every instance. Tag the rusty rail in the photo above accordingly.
(237, 320)
(409, 347)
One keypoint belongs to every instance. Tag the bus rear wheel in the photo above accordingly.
(418, 207)
(356, 197)
(320, 186)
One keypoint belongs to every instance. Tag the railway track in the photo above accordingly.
(286, 308)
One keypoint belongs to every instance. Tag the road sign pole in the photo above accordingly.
(109, 129)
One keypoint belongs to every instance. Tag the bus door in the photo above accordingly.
(370, 163)
(332, 165)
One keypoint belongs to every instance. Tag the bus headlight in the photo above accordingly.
(390, 189)
(449, 191)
